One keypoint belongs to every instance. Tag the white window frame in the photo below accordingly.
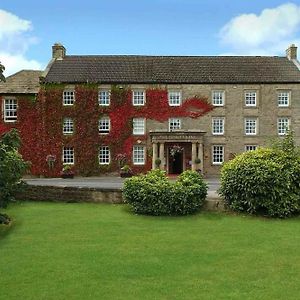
(218, 98)
(247, 126)
(138, 126)
(138, 155)
(174, 124)
(104, 97)
(68, 126)
(283, 125)
(250, 98)
(68, 156)
(283, 98)
(174, 98)
(68, 97)
(250, 147)
(218, 125)
(10, 110)
(104, 155)
(217, 151)
(138, 97)
(104, 125)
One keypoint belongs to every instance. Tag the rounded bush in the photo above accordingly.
(262, 181)
(154, 194)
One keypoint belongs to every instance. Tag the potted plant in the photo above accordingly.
(51, 159)
(67, 172)
(121, 159)
(197, 161)
(157, 162)
(126, 171)
(176, 149)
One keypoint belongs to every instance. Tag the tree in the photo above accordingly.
(2, 68)
(12, 168)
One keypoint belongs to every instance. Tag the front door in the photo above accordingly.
(176, 163)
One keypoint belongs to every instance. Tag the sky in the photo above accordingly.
(28, 29)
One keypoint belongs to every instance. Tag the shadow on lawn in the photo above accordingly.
(5, 230)
(201, 214)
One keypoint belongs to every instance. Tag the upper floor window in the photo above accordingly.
(283, 99)
(250, 147)
(250, 126)
(138, 155)
(138, 98)
(104, 125)
(174, 124)
(250, 98)
(68, 97)
(10, 110)
(104, 97)
(138, 125)
(104, 155)
(218, 98)
(283, 125)
(68, 156)
(68, 126)
(174, 98)
(218, 126)
(217, 154)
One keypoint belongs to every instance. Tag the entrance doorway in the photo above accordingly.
(176, 163)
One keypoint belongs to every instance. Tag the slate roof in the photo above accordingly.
(23, 82)
(173, 69)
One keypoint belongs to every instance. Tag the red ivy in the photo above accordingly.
(40, 126)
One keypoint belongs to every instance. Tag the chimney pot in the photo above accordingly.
(291, 52)
(58, 51)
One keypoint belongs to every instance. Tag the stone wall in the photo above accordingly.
(93, 195)
(234, 111)
(70, 194)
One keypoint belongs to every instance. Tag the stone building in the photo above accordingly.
(171, 112)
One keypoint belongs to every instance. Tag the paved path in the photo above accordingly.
(100, 182)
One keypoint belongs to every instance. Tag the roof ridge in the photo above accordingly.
(181, 56)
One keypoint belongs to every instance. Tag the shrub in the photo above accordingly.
(262, 181)
(12, 167)
(154, 194)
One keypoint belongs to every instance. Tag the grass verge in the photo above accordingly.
(91, 251)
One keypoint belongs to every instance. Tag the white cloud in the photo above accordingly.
(270, 32)
(15, 63)
(15, 39)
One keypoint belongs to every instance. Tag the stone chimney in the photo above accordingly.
(58, 51)
(291, 52)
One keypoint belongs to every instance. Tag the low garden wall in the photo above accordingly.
(70, 194)
(94, 195)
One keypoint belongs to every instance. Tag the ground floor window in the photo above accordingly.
(250, 147)
(104, 155)
(217, 154)
(68, 156)
(138, 155)
(283, 125)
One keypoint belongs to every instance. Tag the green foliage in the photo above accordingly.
(12, 167)
(154, 194)
(4, 219)
(2, 77)
(265, 181)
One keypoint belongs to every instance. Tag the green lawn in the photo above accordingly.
(89, 251)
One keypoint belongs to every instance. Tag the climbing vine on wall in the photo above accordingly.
(40, 125)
